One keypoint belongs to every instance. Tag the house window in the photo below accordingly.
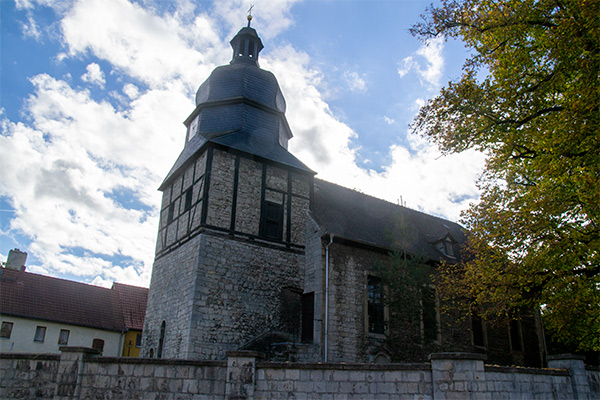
(161, 340)
(40, 334)
(98, 344)
(138, 340)
(272, 220)
(375, 305)
(63, 336)
(516, 338)
(429, 315)
(188, 198)
(6, 330)
(308, 316)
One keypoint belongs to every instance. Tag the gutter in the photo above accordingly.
(331, 236)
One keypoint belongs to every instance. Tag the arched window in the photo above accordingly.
(161, 340)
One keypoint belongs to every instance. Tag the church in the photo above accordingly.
(256, 253)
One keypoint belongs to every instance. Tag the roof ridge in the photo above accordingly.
(56, 278)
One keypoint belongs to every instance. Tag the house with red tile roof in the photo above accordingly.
(39, 314)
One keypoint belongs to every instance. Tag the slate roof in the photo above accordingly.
(254, 144)
(34, 296)
(360, 218)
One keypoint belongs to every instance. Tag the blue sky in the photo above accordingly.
(93, 95)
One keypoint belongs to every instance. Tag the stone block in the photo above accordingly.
(292, 374)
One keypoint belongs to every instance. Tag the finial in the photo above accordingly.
(250, 15)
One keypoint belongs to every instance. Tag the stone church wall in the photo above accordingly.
(350, 341)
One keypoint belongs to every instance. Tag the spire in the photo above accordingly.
(250, 15)
(246, 44)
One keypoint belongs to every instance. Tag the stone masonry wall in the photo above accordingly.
(170, 299)
(349, 339)
(80, 375)
(219, 289)
(239, 293)
(28, 377)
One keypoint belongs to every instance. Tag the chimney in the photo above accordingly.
(16, 260)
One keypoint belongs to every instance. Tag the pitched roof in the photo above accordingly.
(357, 217)
(29, 295)
(133, 301)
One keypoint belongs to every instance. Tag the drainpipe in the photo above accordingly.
(327, 294)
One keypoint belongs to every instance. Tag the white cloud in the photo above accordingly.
(154, 49)
(94, 75)
(131, 91)
(430, 53)
(388, 120)
(355, 82)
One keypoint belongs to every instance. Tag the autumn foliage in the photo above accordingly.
(529, 99)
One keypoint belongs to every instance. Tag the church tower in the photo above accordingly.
(229, 252)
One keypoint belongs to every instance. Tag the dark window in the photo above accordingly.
(516, 339)
(6, 329)
(63, 336)
(40, 334)
(161, 340)
(251, 49)
(188, 198)
(429, 315)
(272, 220)
(445, 246)
(171, 213)
(98, 344)
(477, 327)
(375, 305)
(138, 340)
(308, 316)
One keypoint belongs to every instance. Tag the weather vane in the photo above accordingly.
(250, 14)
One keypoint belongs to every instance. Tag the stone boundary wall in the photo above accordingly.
(78, 373)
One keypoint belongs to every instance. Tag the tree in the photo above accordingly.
(529, 99)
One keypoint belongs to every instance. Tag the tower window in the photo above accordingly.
(161, 340)
(171, 213)
(272, 220)
(188, 198)
(375, 306)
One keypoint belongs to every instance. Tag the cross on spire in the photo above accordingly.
(250, 15)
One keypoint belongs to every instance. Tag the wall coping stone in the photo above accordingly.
(566, 357)
(30, 356)
(457, 356)
(161, 361)
(525, 370)
(344, 366)
(79, 349)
